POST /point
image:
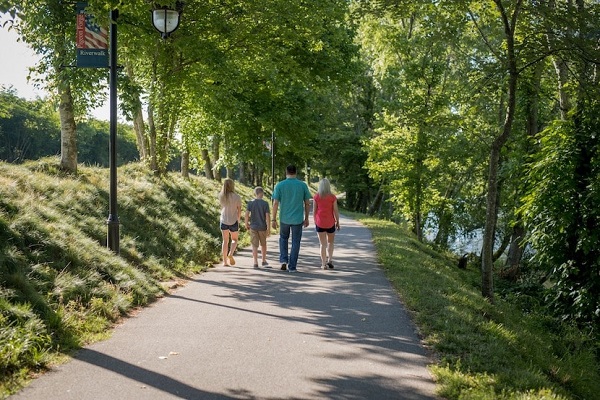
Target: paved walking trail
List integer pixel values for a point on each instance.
(240, 333)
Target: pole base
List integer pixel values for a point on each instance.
(112, 241)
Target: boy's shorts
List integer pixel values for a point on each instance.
(258, 237)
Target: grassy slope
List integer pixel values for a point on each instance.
(485, 351)
(60, 288)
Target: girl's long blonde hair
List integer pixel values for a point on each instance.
(228, 188)
(324, 188)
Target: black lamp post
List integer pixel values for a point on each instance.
(272, 160)
(165, 20)
(113, 219)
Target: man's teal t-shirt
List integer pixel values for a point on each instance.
(291, 194)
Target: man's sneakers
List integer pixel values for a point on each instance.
(284, 267)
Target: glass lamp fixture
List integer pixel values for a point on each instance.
(166, 19)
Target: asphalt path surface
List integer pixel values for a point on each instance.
(241, 333)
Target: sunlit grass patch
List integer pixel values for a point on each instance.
(485, 351)
(53, 255)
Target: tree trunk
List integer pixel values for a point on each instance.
(138, 121)
(185, 164)
(140, 131)
(152, 133)
(68, 129)
(420, 171)
(487, 251)
(500, 250)
(444, 226)
(260, 177)
(512, 267)
(376, 204)
(216, 156)
(417, 216)
(561, 67)
(208, 170)
(167, 135)
(242, 172)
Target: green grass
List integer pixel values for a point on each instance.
(483, 350)
(60, 287)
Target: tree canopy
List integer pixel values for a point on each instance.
(456, 117)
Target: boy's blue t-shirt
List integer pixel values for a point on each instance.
(291, 194)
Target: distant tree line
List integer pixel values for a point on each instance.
(30, 129)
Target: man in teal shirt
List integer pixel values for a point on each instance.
(292, 198)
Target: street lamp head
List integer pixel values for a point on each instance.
(166, 19)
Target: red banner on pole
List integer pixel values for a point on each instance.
(91, 41)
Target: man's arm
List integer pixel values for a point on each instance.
(274, 218)
(306, 212)
(267, 216)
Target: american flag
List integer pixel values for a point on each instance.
(96, 37)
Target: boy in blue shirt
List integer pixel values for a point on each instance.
(257, 222)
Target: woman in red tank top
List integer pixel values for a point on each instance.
(327, 221)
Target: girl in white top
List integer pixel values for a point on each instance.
(231, 212)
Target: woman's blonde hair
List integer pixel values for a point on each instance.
(324, 188)
(228, 188)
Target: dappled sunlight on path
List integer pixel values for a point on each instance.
(244, 333)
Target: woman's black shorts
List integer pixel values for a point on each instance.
(328, 230)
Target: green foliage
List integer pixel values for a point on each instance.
(485, 351)
(30, 130)
(23, 338)
(440, 70)
(562, 212)
(93, 143)
(60, 287)
(425, 148)
(48, 27)
(242, 70)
